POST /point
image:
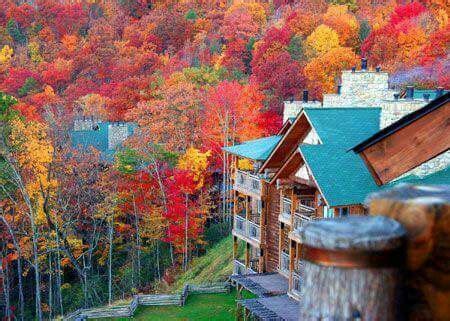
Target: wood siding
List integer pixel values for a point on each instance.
(409, 147)
(272, 228)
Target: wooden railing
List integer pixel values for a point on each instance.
(286, 210)
(127, 310)
(284, 262)
(296, 283)
(239, 268)
(246, 228)
(304, 214)
(248, 184)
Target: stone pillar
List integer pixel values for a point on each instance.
(292, 109)
(117, 133)
(352, 269)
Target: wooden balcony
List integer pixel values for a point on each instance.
(303, 215)
(239, 267)
(248, 184)
(247, 230)
(297, 282)
(286, 208)
(284, 263)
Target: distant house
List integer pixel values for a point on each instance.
(309, 171)
(106, 137)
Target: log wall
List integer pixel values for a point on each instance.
(272, 234)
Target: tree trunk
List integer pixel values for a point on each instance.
(137, 244)
(58, 276)
(6, 290)
(111, 227)
(352, 269)
(19, 266)
(50, 286)
(186, 226)
(425, 213)
(36, 265)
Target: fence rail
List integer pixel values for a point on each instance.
(127, 310)
(247, 228)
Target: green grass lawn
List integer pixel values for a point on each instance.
(216, 265)
(201, 307)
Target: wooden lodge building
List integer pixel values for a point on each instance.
(327, 158)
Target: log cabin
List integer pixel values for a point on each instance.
(308, 171)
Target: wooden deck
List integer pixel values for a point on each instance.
(264, 284)
(275, 308)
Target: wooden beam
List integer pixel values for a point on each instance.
(410, 146)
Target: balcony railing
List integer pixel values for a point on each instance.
(284, 262)
(286, 209)
(253, 266)
(240, 269)
(307, 202)
(247, 228)
(247, 183)
(301, 220)
(297, 282)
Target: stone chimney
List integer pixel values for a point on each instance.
(293, 108)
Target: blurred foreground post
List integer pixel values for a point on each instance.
(424, 211)
(352, 269)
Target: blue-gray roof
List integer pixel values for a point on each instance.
(257, 149)
(98, 138)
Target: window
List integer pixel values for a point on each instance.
(328, 212)
(343, 211)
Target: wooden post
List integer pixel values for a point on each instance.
(424, 211)
(352, 269)
(247, 255)
(292, 249)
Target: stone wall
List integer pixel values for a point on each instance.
(80, 124)
(117, 133)
(361, 88)
(392, 110)
(434, 165)
(292, 109)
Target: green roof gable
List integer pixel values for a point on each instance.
(97, 139)
(257, 149)
(342, 176)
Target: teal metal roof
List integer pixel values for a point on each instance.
(257, 149)
(342, 176)
(418, 93)
(97, 139)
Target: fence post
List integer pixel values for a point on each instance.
(352, 269)
(424, 211)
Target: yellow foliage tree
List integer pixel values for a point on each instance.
(255, 9)
(344, 23)
(33, 51)
(410, 44)
(195, 162)
(5, 54)
(320, 41)
(245, 164)
(323, 70)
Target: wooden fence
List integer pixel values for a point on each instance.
(127, 310)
